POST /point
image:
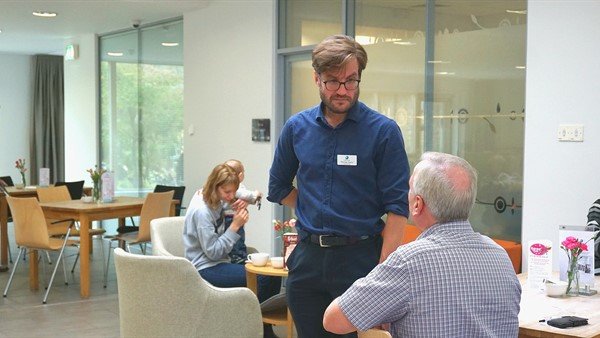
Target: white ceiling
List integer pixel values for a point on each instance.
(22, 33)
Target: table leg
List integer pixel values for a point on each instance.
(290, 324)
(34, 281)
(251, 282)
(3, 233)
(84, 254)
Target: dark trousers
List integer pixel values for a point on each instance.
(318, 275)
(227, 275)
(238, 253)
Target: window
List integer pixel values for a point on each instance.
(141, 106)
(451, 74)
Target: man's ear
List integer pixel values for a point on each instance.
(316, 78)
(418, 205)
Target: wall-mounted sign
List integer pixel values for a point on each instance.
(261, 130)
(71, 52)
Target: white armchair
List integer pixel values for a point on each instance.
(167, 236)
(164, 296)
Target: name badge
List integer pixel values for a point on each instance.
(347, 160)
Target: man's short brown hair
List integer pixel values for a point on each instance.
(335, 51)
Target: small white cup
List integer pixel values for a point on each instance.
(87, 199)
(259, 258)
(277, 262)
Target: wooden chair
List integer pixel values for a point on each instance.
(31, 233)
(164, 296)
(374, 333)
(56, 228)
(75, 188)
(156, 205)
(178, 192)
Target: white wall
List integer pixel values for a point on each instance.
(16, 92)
(561, 180)
(228, 61)
(81, 102)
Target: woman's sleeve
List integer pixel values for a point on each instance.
(215, 246)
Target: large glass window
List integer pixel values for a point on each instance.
(141, 113)
(451, 74)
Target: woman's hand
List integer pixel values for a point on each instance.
(240, 217)
(239, 204)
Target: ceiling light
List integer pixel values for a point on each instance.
(114, 53)
(170, 44)
(520, 67)
(438, 61)
(444, 73)
(524, 12)
(44, 14)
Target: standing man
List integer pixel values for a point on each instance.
(450, 282)
(351, 169)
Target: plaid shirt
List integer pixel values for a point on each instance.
(450, 282)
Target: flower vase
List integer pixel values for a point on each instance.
(573, 277)
(23, 179)
(96, 191)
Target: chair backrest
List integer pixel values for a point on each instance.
(75, 188)
(8, 180)
(164, 296)
(53, 194)
(167, 236)
(29, 221)
(374, 333)
(411, 233)
(156, 205)
(177, 195)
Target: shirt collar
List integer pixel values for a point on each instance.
(354, 113)
(452, 226)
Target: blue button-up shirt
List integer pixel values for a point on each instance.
(347, 176)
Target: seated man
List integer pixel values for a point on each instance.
(450, 282)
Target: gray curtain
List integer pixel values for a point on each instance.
(47, 139)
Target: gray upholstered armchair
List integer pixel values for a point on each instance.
(164, 296)
(167, 236)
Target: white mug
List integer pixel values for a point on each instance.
(277, 262)
(259, 258)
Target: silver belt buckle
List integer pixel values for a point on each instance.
(321, 241)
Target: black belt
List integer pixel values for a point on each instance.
(326, 241)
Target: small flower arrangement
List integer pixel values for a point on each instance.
(20, 165)
(96, 173)
(285, 226)
(573, 248)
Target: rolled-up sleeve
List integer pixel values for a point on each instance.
(393, 170)
(284, 167)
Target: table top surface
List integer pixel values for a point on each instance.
(266, 270)
(118, 202)
(536, 306)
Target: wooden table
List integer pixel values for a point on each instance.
(535, 306)
(14, 192)
(282, 317)
(85, 213)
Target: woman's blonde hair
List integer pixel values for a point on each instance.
(221, 175)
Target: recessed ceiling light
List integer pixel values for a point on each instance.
(438, 61)
(44, 14)
(444, 73)
(114, 53)
(170, 44)
(520, 67)
(523, 12)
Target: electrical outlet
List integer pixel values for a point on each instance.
(570, 132)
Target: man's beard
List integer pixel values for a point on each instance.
(331, 108)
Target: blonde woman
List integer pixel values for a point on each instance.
(208, 243)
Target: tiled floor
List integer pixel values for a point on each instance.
(22, 313)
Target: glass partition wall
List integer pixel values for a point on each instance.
(141, 106)
(450, 73)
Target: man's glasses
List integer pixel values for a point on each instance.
(335, 84)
